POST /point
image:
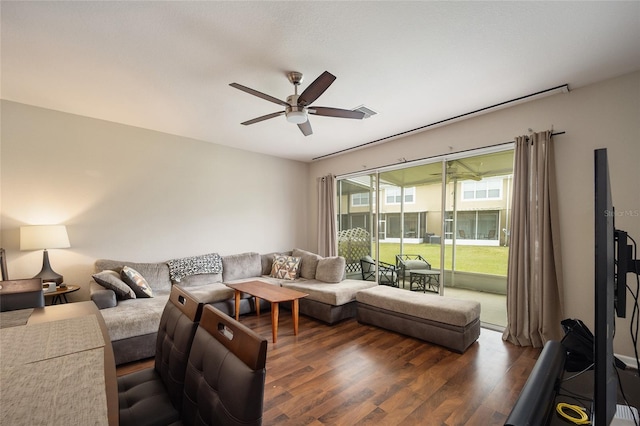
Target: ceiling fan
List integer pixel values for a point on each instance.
(454, 172)
(297, 107)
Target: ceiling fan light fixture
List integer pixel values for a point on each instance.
(297, 117)
(298, 107)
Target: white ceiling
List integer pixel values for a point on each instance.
(167, 65)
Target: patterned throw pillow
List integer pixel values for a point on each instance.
(285, 267)
(206, 264)
(111, 280)
(136, 281)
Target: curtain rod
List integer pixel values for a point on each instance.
(359, 172)
(563, 87)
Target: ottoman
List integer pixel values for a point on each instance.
(445, 321)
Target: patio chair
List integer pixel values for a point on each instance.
(462, 234)
(387, 274)
(405, 263)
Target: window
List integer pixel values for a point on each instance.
(360, 200)
(490, 189)
(393, 195)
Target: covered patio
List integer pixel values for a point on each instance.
(466, 200)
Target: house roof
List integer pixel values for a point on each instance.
(167, 66)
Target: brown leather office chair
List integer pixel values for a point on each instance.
(224, 384)
(21, 294)
(154, 396)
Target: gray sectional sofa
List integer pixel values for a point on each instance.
(133, 323)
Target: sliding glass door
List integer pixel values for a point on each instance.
(411, 206)
(478, 205)
(451, 212)
(357, 231)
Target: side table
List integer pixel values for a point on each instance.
(60, 295)
(425, 280)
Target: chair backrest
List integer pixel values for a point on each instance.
(462, 233)
(411, 261)
(21, 294)
(368, 268)
(226, 373)
(178, 325)
(4, 274)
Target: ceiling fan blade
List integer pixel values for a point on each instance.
(336, 112)
(264, 117)
(259, 94)
(315, 89)
(305, 128)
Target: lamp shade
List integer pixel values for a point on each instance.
(40, 237)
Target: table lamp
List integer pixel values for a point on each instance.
(43, 237)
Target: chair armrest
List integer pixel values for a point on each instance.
(102, 297)
(385, 265)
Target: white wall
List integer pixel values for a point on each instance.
(603, 115)
(133, 194)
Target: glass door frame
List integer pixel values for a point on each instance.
(374, 175)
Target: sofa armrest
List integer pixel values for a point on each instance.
(102, 297)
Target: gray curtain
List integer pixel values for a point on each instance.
(534, 282)
(327, 227)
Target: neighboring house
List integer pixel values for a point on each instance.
(482, 208)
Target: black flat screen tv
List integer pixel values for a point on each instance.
(610, 291)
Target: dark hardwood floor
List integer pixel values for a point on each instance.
(353, 374)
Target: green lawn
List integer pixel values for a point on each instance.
(481, 259)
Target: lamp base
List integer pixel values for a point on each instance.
(47, 274)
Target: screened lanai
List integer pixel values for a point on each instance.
(452, 211)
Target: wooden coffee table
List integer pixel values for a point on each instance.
(271, 293)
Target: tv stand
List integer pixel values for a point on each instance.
(537, 397)
(548, 384)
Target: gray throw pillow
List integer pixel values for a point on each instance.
(111, 280)
(308, 263)
(331, 269)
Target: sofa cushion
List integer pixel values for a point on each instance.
(200, 279)
(331, 294)
(135, 317)
(242, 265)
(156, 274)
(211, 293)
(136, 281)
(415, 264)
(308, 263)
(446, 310)
(285, 267)
(267, 262)
(331, 269)
(111, 280)
(186, 266)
